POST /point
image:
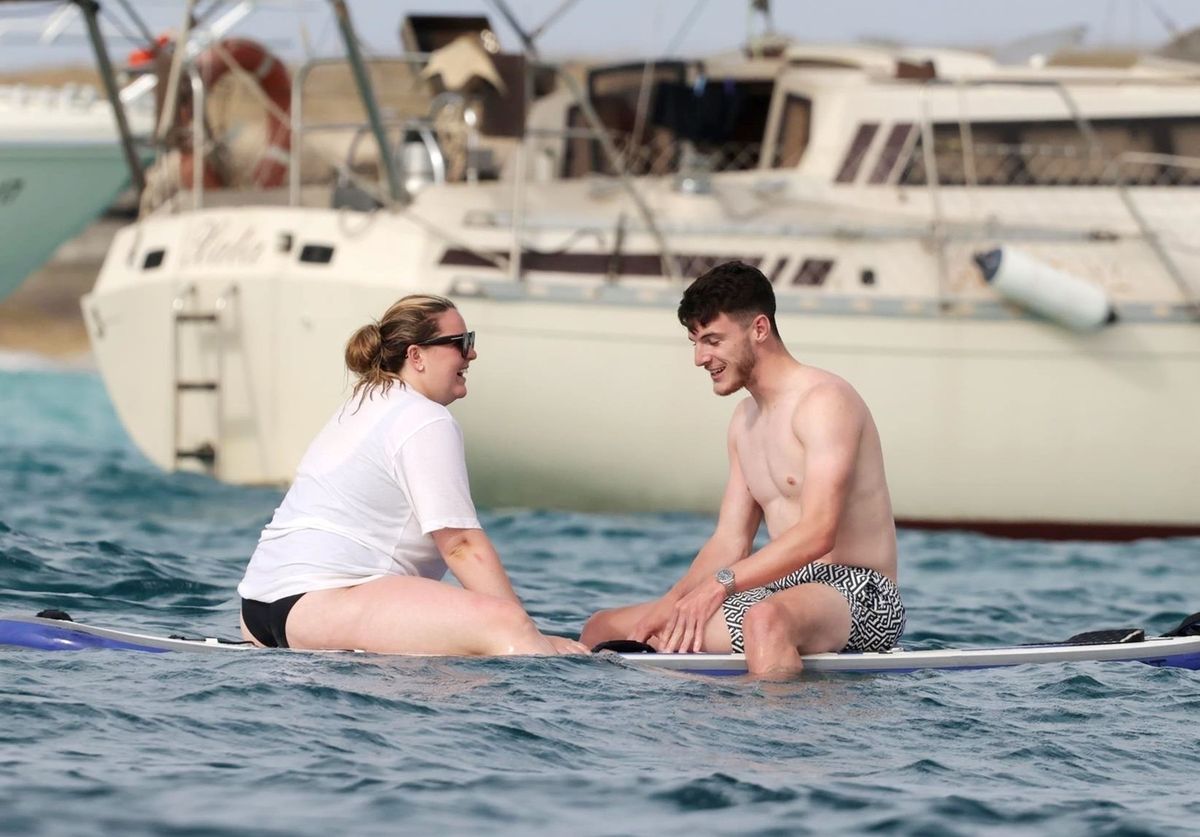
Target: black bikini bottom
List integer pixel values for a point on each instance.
(268, 621)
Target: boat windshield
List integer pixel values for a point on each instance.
(668, 116)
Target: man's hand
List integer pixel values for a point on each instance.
(690, 616)
(655, 621)
(564, 645)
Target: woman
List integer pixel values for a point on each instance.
(381, 507)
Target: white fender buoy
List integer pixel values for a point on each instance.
(1045, 290)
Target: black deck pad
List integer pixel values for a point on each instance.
(1109, 636)
(1190, 626)
(625, 646)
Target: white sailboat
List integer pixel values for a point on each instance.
(61, 166)
(1052, 391)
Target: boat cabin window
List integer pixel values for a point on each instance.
(898, 139)
(1057, 153)
(792, 137)
(653, 115)
(623, 97)
(723, 120)
(854, 154)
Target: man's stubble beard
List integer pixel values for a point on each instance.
(744, 370)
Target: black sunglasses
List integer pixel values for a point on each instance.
(465, 341)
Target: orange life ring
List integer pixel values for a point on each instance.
(148, 54)
(274, 80)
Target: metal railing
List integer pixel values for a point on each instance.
(663, 154)
(939, 158)
(200, 143)
(343, 169)
(1087, 163)
(622, 159)
(1042, 164)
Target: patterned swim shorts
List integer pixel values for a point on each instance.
(876, 611)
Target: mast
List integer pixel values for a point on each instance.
(367, 93)
(90, 8)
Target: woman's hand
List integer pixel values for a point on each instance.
(690, 617)
(564, 645)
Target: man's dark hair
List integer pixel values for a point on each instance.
(732, 288)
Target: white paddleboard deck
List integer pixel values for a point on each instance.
(39, 633)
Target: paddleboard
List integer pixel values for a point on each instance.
(33, 632)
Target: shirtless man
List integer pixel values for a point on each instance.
(804, 454)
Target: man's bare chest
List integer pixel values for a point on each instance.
(772, 459)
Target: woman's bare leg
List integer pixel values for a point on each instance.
(412, 615)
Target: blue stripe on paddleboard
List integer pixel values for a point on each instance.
(54, 638)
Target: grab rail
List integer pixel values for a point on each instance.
(198, 140)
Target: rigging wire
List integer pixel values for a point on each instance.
(685, 27)
(119, 24)
(137, 21)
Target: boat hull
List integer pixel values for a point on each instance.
(48, 194)
(585, 396)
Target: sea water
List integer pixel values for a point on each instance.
(297, 744)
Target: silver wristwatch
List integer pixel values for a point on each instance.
(725, 578)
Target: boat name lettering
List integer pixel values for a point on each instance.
(217, 244)
(10, 189)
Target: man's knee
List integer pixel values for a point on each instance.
(765, 622)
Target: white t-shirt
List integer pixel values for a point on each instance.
(371, 487)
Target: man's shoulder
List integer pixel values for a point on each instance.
(827, 394)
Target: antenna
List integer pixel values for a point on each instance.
(527, 41)
(553, 16)
(763, 9)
